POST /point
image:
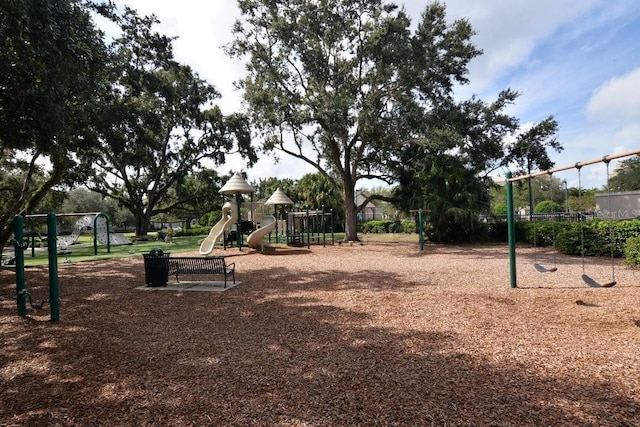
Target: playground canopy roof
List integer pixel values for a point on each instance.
(279, 197)
(236, 184)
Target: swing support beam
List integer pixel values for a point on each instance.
(607, 158)
(510, 209)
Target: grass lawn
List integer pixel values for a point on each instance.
(84, 251)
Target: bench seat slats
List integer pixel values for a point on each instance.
(201, 265)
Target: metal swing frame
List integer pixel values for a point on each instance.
(588, 280)
(510, 179)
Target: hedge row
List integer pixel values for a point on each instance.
(387, 226)
(595, 237)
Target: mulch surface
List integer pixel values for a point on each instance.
(379, 334)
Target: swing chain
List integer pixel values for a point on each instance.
(24, 293)
(23, 245)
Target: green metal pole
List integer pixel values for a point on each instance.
(32, 229)
(95, 232)
(332, 233)
(239, 236)
(324, 231)
(95, 235)
(18, 236)
(420, 230)
(308, 231)
(512, 234)
(54, 285)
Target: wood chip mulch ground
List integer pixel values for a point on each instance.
(380, 334)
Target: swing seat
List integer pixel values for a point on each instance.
(543, 269)
(593, 284)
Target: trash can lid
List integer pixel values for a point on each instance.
(156, 252)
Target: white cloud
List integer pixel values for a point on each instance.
(202, 29)
(509, 30)
(617, 99)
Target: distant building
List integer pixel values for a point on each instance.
(370, 211)
(622, 205)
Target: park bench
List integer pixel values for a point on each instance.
(201, 265)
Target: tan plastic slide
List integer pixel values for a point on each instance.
(229, 217)
(255, 239)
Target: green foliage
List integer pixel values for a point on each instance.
(499, 209)
(547, 206)
(632, 251)
(627, 176)
(408, 226)
(378, 226)
(266, 187)
(530, 150)
(348, 81)
(451, 194)
(210, 218)
(194, 194)
(316, 190)
(197, 230)
(158, 126)
(544, 233)
(53, 64)
(600, 237)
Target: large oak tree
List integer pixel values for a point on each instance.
(159, 126)
(52, 77)
(343, 84)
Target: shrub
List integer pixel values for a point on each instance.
(632, 251)
(409, 226)
(499, 231)
(196, 230)
(377, 226)
(547, 206)
(210, 218)
(499, 209)
(599, 237)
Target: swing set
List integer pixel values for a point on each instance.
(589, 281)
(537, 265)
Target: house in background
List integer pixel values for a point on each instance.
(370, 211)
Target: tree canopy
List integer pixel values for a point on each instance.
(626, 176)
(342, 85)
(160, 125)
(52, 73)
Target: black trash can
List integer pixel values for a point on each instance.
(156, 267)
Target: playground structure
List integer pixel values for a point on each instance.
(256, 240)
(102, 234)
(511, 220)
(220, 229)
(236, 186)
(261, 225)
(22, 293)
(97, 222)
(310, 226)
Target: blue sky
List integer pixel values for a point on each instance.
(578, 60)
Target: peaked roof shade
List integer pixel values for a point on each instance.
(278, 197)
(236, 184)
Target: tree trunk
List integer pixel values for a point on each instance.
(142, 224)
(351, 215)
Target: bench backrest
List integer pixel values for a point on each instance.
(193, 264)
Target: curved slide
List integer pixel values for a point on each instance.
(86, 221)
(267, 225)
(80, 225)
(229, 216)
(114, 238)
